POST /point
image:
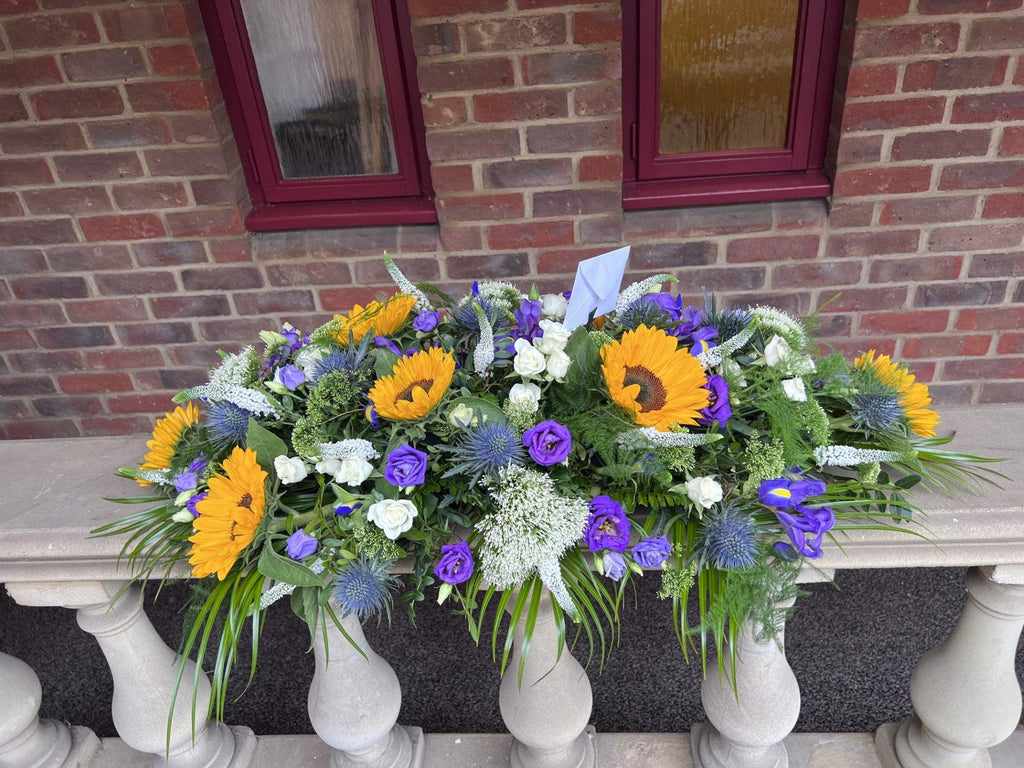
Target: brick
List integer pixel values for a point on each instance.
(673, 255)
(966, 293)
(173, 59)
(571, 67)
(452, 178)
(1011, 344)
(98, 166)
(148, 403)
(906, 40)
(946, 346)
(144, 334)
(59, 30)
(877, 80)
(186, 161)
(481, 208)
(231, 250)
(27, 71)
(529, 5)
(755, 249)
(444, 111)
(1005, 206)
(128, 132)
(984, 370)
(562, 262)
(136, 282)
(996, 175)
(105, 64)
(879, 115)
(238, 329)
(597, 99)
(856, 150)
(882, 9)
(12, 7)
(528, 173)
(435, 39)
(997, 265)
(16, 339)
(221, 278)
(68, 406)
(990, 319)
(89, 258)
(77, 102)
(189, 306)
(918, 321)
(817, 273)
(521, 105)
(465, 75)
(876, 243)
(318, 273)
(989, 107)
(505, 237)
(42, 430)
(43, 202)
(263, 302)
(882, 181)
(73, 337)
(41, 138)
(595, 27)
(573, 137)
(461, 239)
(941, 144)
(472, 145)
(600, 168)
(14, 262)
(37, 232)
(432, 8)
(94, 383)
(215, 192)
(106, 310)
(489, 266)
(979, 237)
(31, 288)
(145, 22)
(10, 205)
(168, 96)
(851, 299)
(372, 271)
(167, 254)
(195, 128)
(575, 202)
(1001, 392)
(124, 359)
(30, 315)
(129, 227)
(1012, 142)
(209, 222)
(957, 74)
(514, 33)
(111, 427)
(171, 379)
(927, 210)
(149, 195)
(915, 269)
(343, 299)
(965, 6)
(12, 386)
(996, 34)
(601, 229)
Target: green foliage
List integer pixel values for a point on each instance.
(335, 394)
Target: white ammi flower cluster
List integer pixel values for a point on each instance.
(233, 369)
(848, 456)
(635, 292)
(247, 399)
(782, 323)
(345, 449)
(646, 437)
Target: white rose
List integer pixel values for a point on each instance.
(525, 396)
(553, 305)
(777, 351)
(554, 339)
(391, 516)
(704, 491)
(794, 389)
(462, 416)
(352, 470)
(558, 364)
(732, 371)
(290, 470)
(529, 360)
(307, 358)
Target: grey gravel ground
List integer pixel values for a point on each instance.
(852, 645)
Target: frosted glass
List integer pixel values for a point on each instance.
(726, 72)
(321, 78)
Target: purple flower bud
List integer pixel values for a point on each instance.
(300, 545)
(653, 552)
(291, 377)
(343, 510)
(383, 343)
(406, 467)
(190, 505)
(608, 526)
(718, 403)
(614, 566)
(425, 322)
(185, 481)
(548, 443)
(456, 564)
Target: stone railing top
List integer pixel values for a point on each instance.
(57, 488)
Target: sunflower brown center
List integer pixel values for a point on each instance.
(406, 394)
(246, 501)
(652, 396)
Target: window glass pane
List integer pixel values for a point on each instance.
(726, 71)
(321, 78)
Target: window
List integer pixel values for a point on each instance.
(324, 109)
(726, 101)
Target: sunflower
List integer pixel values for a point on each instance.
(166, 434)
(416, 384)
(913, 395)
(229, 515)
(383, 319)
(658, 382)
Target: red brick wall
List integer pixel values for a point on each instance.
(125, 264)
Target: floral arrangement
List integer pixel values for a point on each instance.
(490, 448)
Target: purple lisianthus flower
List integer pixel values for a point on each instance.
(614, 565)
(300, 544)
(426, 321)
(783, 493)
(406, 467)
(291, 377)
(190, 505)
(291, 336)
(671, 305)
(382, 343)
(652, 552)
(456, 564)
(805, 527)
(527, 319)
(718, 401)
(344, 510)
(188, 479)
(607, 527)
(548, 443)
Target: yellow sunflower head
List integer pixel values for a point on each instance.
(383, 319)
(416, 385)
(659, 383)
(913, 395)
(229, 515)
(166, 434)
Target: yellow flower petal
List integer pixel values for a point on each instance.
(383, 319)
(166, 434)
(416, 385)
(914, 396)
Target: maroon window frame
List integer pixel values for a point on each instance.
(279, 203)
(652, 180)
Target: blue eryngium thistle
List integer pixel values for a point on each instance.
(364, 588)
(349, 360)
(227, 425)
(730, 540)
(876, 412)
(644, 313)
(486, 448)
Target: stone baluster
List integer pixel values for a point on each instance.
(965, 691)
(548, 714)
(25, 740)
(145, 672)
(354, 702)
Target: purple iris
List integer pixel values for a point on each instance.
(672, 305)
(805, 527)
(425, 322)
(371, 415)
(607, 527)
(300, 544)
(527, 319)
(782, 493)
(291, 377)
(456, 564)
(191, 504)
(652, 552)
(406, 467)
(548, 443)
(344, 510)
(718, 401)
(614, 566)
(381, 342)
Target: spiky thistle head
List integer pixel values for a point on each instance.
(730, 539)
(351, 360)
(227, 425)
(486, 448)
(364, 587)
(644, 313)
(876, 412)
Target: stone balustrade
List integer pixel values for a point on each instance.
(965, 693)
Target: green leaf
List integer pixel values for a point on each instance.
(486, 408)
(267, 445)
(278, 568)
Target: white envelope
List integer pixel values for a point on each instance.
(596, 287)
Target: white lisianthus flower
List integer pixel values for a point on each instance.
(529, 360)
(553, 305)
(558, 364)
(351, 470)
(795, 390)
(554, 339)
(705, 491)
(777, 351)
(183, 516)
(525, 397)
(290, 470)
(462, 416)
(307, 358)
(392, 516)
